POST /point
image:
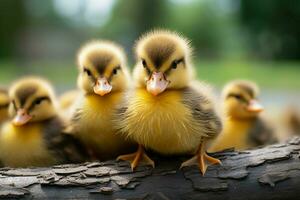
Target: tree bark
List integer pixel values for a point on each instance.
(272, 172)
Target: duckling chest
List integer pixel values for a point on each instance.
(97, 121)
(162, 123)
(24, 146)
(235, 134)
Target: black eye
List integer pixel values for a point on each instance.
(87, 71)
(38, 101)
(239, 97)
(115, 70)
(144, 63)
(174, 64)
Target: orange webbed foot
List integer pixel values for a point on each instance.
(201, 159)
(137, 157)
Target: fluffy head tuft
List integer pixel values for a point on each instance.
(249, 87)
(35, 96)
(98, 59)
(237, 96)
(167, 52)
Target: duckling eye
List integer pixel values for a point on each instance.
(239, 97)
(174, 64)
(115, 70)
(144, 63)
(87, 71)
(39, 100)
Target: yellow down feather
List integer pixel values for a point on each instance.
(28, 140)
(162, 121)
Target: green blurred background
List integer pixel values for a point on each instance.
(252, 39)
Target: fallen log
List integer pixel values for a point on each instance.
(271, 172)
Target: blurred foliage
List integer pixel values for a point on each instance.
(273, 26)
(268, 75)
(198, 21)
(132, 18)
(13, 19)
(219, 29)
(232, 38)
(207, 26)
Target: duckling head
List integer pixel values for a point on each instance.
(240, 100)
(4, 102)
(163, 62)
(32, 100)
(102, 68)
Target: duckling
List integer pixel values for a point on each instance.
(168, 111)
(67, 99)
(34, 136)
(103, 79)
(244, 128)
(4, 102)
(291, 121)
(67, 102)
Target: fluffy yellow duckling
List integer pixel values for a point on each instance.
(34, 135)
(67, 99)
(4, 102)
(243, 126)
(168, 112)
(103, 79)
(291, 121)
(67, 102)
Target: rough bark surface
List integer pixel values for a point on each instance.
(272, 172)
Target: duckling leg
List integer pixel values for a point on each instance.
(137, 157)
(200, 159)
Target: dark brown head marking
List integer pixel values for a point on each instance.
(248, 89)
(23, 93)
(100, 60)
(159, 50)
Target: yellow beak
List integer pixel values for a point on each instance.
(157, 83)
(255, 106)
(21, 118)
(102, 87)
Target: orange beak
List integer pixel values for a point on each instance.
(21, 118)
(102, 87)
(157, 83)
(255, 106)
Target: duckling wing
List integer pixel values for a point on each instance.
(64, 146)
(261, 134)
(202, 108)
(71, 124)
(73, 150)
(75, 115)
